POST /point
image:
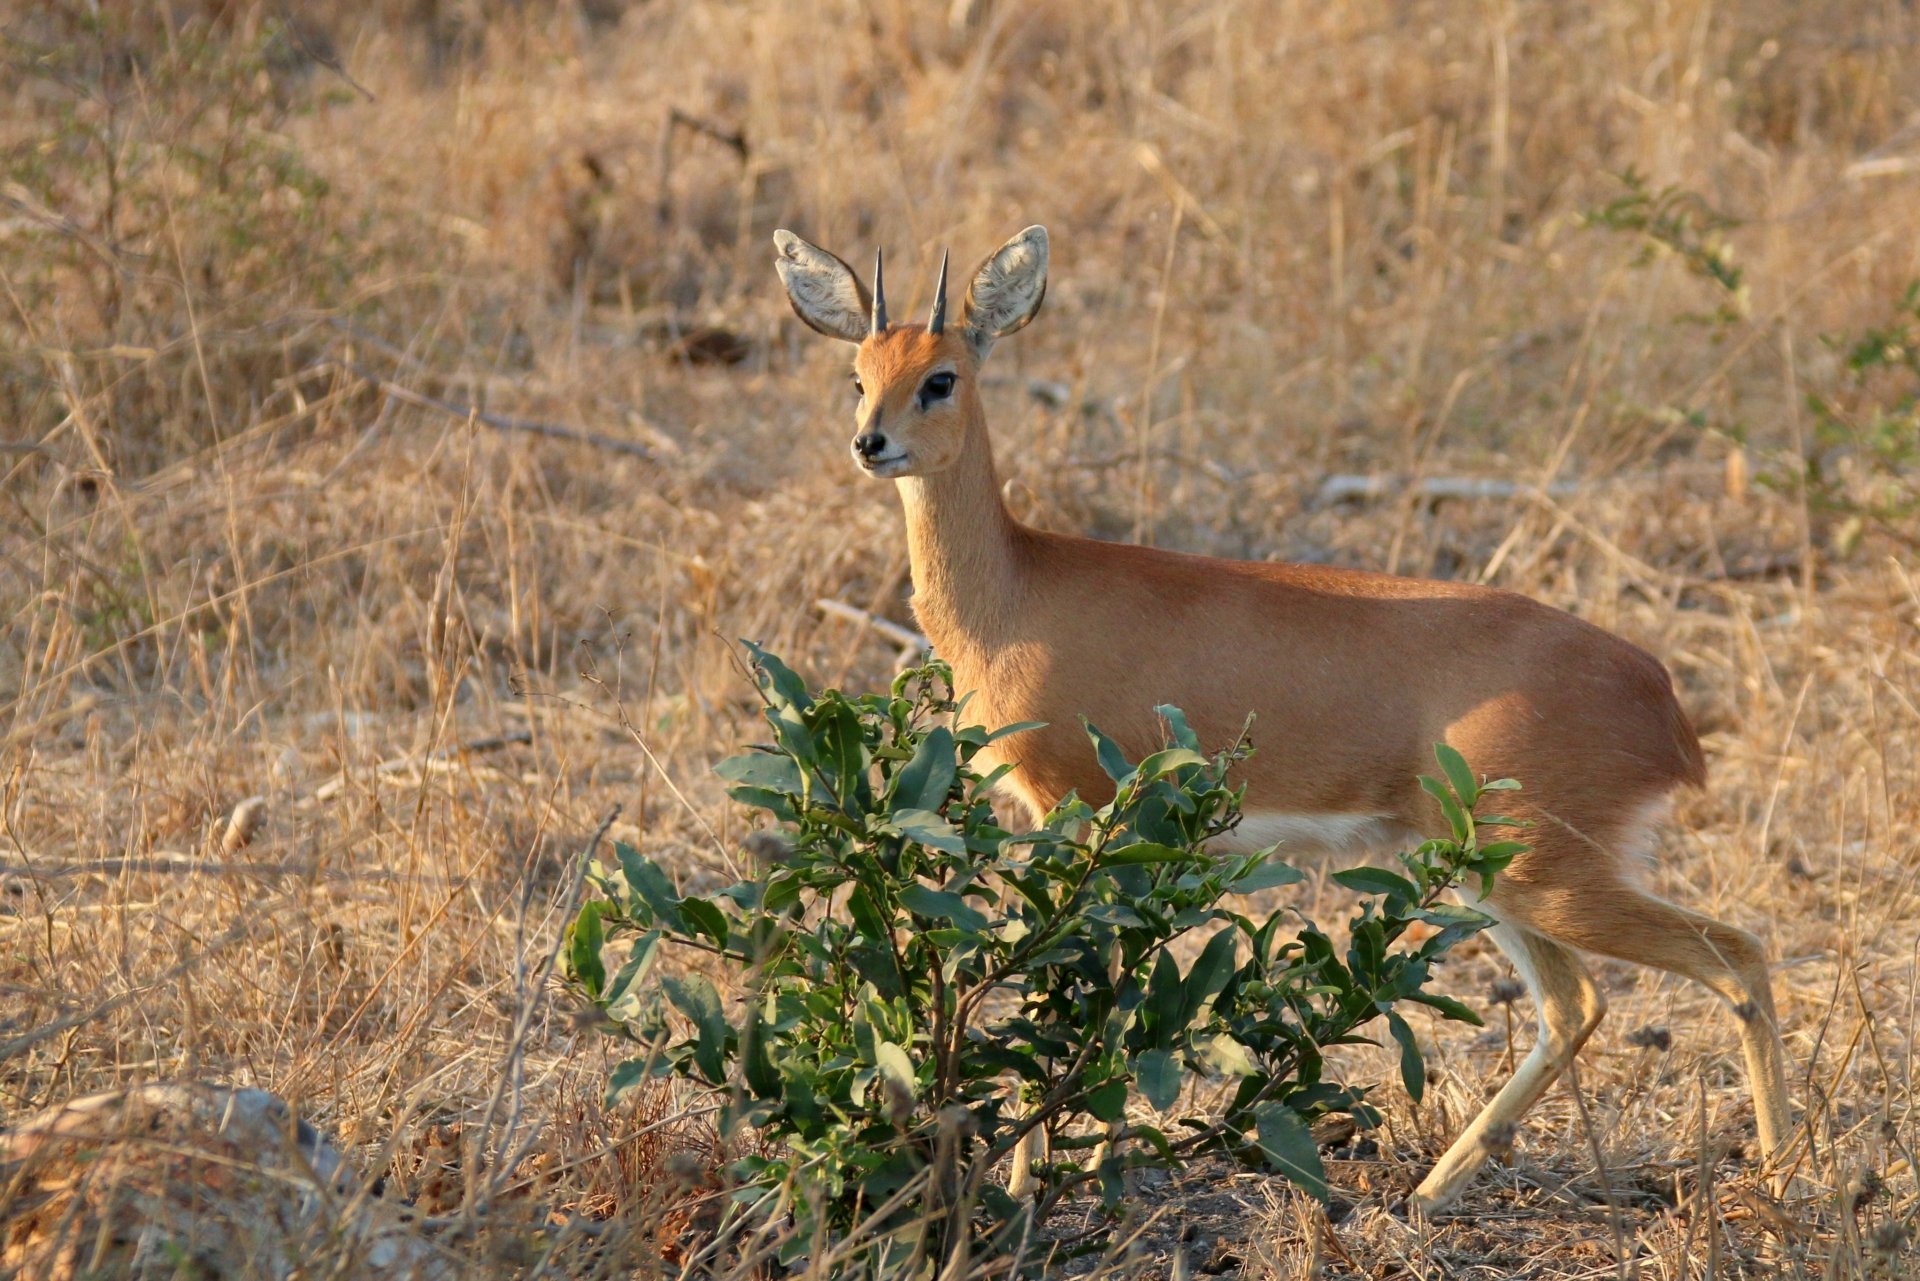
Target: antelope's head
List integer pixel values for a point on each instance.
(918, 385)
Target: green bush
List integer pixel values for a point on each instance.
(921, 988)
(1861, 469)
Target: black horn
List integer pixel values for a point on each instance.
(938, 320)
(879, 294)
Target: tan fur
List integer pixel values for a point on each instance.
(1351, 677)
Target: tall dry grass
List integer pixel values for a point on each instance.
(259, 263)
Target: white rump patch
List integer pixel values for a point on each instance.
(1315, 833)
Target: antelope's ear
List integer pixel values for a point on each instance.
(823, 290)
(1007, 290)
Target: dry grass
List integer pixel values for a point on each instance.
(1290, 241)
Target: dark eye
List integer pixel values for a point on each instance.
(858, 390)
(938, 387)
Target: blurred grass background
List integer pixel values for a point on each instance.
(383, 376)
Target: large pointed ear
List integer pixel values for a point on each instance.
(1007, 290)
(823, 290)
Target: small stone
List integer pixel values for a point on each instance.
(243, 824)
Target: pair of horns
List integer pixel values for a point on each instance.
(935, 322)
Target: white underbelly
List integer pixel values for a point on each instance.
(1298, 834)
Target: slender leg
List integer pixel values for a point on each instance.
(1570, 1006)
(1729, 961)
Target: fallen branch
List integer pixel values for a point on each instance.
(440, 759)
(177, 865)
(733, 139)
(499, 422)
(1347, 488)
(910, 644)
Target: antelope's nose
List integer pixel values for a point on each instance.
(870, 444)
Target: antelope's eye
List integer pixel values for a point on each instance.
(938, 387)
(858, 390)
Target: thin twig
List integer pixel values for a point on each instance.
(530, 990)
(1628, 1264)
(180, 865)
(442, 757)
(1352, 488)
(499, 422)
(911, 645)
(321, 57)
(28, 1040)
(732, 139)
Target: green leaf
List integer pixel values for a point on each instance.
(1161, 1009)
(1413, 1070)
(762, 1079)
(1176, 720)
(1465, 785)
(777, 680)
(842, 747)
(1160, 1076)
(895, 1066)
(650, 884)
(1454, 923)
(627, 1077)
(1146, 852)
(1376, 880)
(1266, 875)
(930, 830)
(1155, 1139)
(696, 998)
(782, 892)
(1457, 818)
(1227, 1056)
(623, 994)
(767, 771)
(1209, 973)
(925, 781)
(986, 785)
(1112, 759)
(947, 906)
(1169, 759)
(1455, 1010)
(867, 916)
(997, 1057)
(583, 949)
(777, 804)
(1018, 727)
(1288, 1146)
(1108, 1100)
(705, 919)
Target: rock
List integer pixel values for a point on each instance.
(180, 1179)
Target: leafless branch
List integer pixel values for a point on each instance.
(441, 758)
(499, 422)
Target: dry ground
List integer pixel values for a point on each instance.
(244, 552)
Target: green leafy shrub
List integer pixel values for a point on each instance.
(921, 988)
(1861, 469)
(1674, 220)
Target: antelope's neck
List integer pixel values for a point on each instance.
(966, 549)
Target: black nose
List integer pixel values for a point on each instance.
(869, 445)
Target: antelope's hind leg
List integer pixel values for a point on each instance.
(1570, 1006)
(1723, 958)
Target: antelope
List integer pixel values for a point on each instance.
(1351, 677)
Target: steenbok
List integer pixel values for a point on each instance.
(1352, 677)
